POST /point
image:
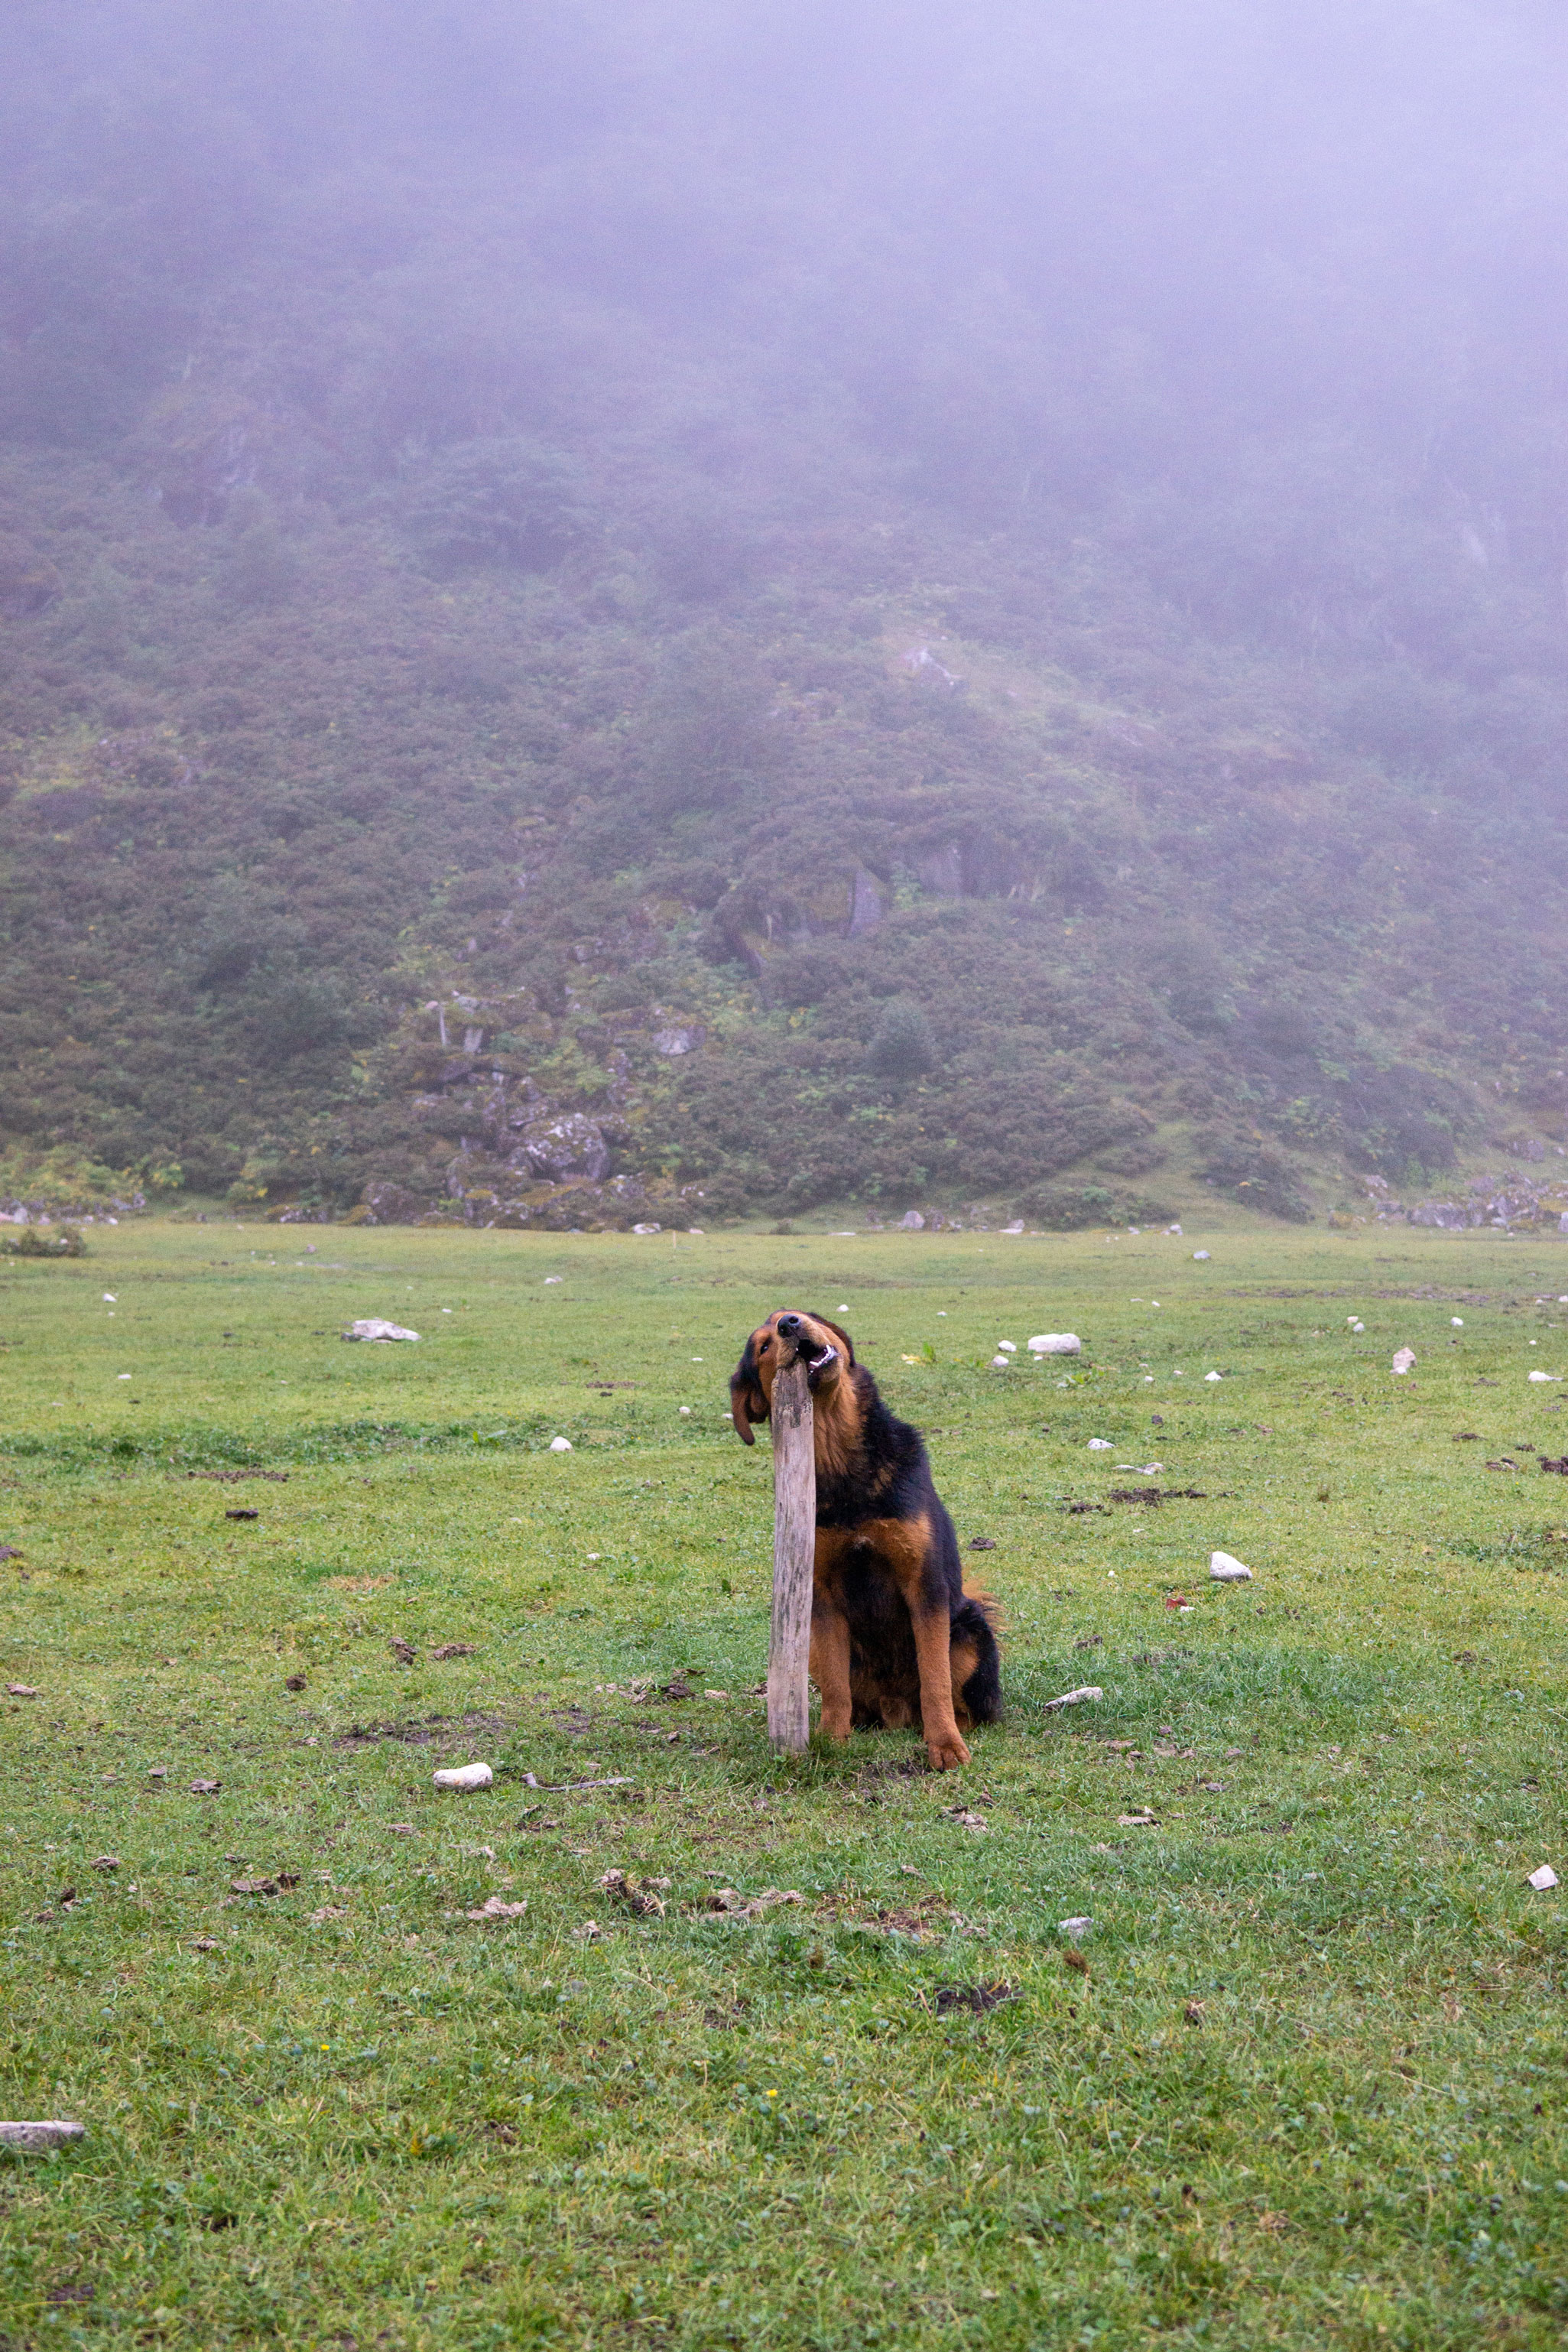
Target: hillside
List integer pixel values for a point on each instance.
(560, 669)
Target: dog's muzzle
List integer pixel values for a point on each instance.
(793, 1327)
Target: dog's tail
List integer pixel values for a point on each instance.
(974, 1633)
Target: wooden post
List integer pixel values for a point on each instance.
(794, 1555)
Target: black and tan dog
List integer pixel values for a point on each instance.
(895, 1639)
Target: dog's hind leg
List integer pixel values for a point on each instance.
(829, 1666)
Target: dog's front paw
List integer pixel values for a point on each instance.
(946, 1751)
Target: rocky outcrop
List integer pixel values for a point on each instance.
(569, 1145)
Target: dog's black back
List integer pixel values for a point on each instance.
(887, 1476)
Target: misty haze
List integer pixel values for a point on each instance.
(935, 608)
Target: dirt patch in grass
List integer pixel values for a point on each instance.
(975, 1999)
(429, 1731)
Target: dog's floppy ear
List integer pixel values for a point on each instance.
(746, 1401)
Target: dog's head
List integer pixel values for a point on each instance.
(829, 1354)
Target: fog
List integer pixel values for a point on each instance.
(1210, 355)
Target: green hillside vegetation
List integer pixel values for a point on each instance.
(564, 665)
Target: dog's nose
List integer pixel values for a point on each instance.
(789, 1326)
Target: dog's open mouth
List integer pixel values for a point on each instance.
(818, 1364)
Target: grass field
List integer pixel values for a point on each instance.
(1310, 2091)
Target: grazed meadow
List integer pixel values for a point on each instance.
(1311, 2087)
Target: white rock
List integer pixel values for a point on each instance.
(1000, 1364)
(1225, 1570)
(37, 2139)
(1404, 1361)
(685, 1411)
(647, 1229)
(1458, 1321)
(1199, 1256)
(1212, 1376)
(371, 1327)
(1099, 1445)
(1016, 1227)
(912, 1222)
(1174, 1229)
(1546, 1376)
(1543, 1879)
(560, 1445)
(1077, 1927)
(1056, 1343)
(464, 1776)
(1075, 1697)
(1007, 1347)
(553, 1277)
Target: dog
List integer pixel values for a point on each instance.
(895, 1639)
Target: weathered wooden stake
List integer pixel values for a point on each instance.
(794, 1552)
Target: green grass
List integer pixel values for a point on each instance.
(1313, 2089)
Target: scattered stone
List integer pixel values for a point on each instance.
(37, 2139)
(1099, 1446)
(403, 1829)
(21, 1690)
(1056, 1343)
(1225, 1570)
(1199, 1256)
(966, 1819)
(1546, 1376)
(404, 1651)
(452, 1650)
(493, 1907)
(327, 1911)
(1000, 1364)
(1213, 1376)
(647, 1229)
(464, 1776)
(373, 1327)
(1543, 1880)
(206, 1788)
(560, 1445)
(1083, 1696)
(1016, 1226)
(1078, 1926)
(982, 1543)
(241, 1512)
(1404, 1361)
(105, 1862)
(912, 1222)
(1142, 1820)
